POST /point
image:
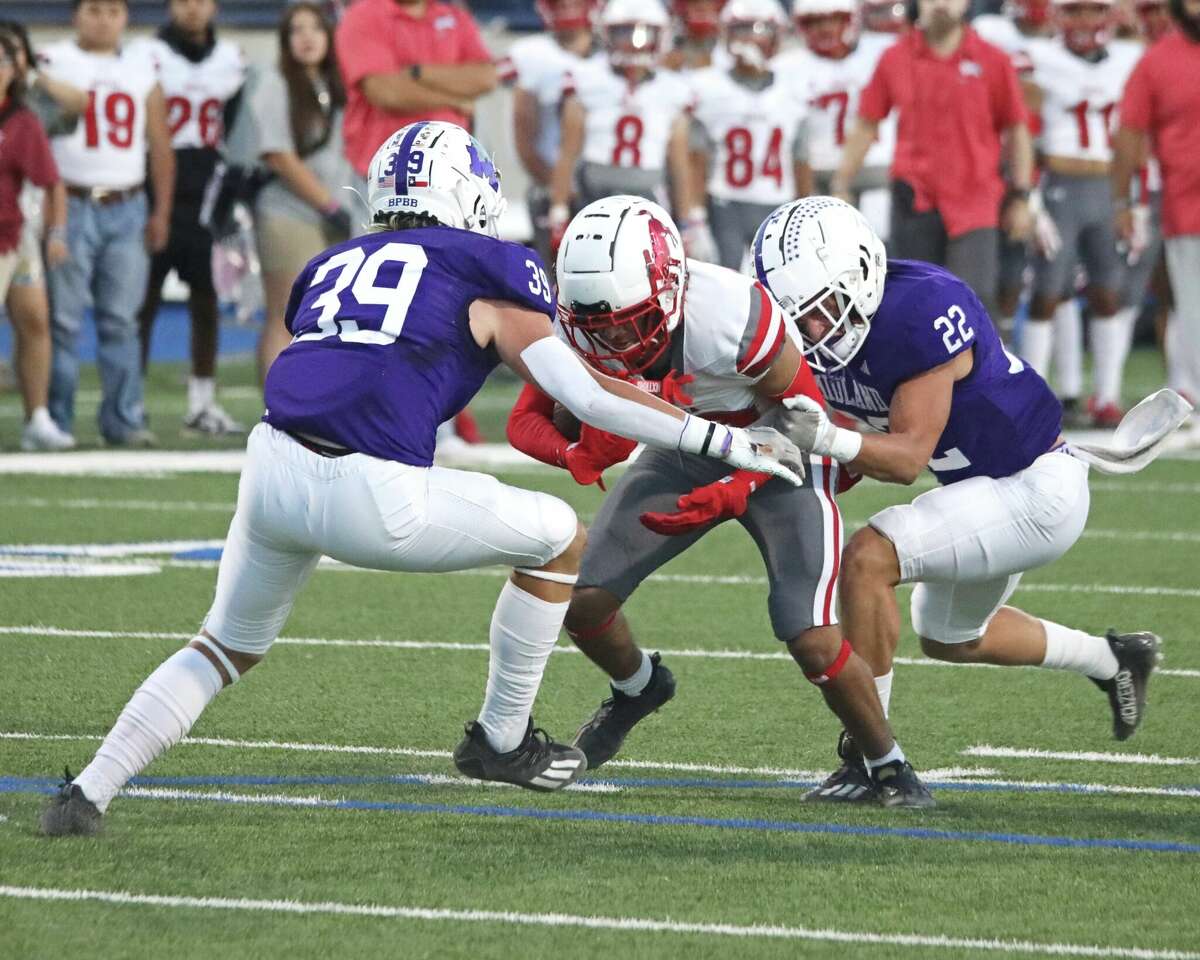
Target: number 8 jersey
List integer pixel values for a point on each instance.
(382, 351)
(107, 148)
(1003, 416)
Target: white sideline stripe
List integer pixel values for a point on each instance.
(11, 567)
(42, 631)
(92, 503)
(1146, 759)
(785, 775)
(559, 920)
(147, 548)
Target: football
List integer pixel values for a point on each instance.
(566, 423)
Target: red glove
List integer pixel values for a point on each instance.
(669, 388)
(846, 479)
(595, 452)
(726, 498)
(531, 428)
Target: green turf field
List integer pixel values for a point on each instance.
(321, 785)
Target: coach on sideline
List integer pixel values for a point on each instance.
(408, 60)
(958, 97)
(1160, 110)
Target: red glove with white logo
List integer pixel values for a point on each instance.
(726, 498)
(669, 388)
(595, 452)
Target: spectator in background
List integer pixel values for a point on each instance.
(957, 97)
(301, 211)
(408, 60)
(199, 75)
(25, 157)
(1160, 113)
(109, 233)
(27, 305)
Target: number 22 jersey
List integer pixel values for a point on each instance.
(1003, 416)
(382, 351)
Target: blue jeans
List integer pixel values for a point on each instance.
(108, 267)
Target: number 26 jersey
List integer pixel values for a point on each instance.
(1003, 416)
(382, 350)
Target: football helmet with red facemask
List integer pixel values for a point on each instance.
(621, 280)
(1030, 16)
(700, 19)
(566, 16)
(752, 30)
(830, 27)
(1086, 26)
(884, 16)
(634, 33)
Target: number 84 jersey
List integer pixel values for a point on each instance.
(382, 351)
(1003, 416)
(752, 136)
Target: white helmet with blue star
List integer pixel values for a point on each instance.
(438, 169)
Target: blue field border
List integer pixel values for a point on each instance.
(26, 785)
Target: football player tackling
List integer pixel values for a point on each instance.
(907, 349)
(393, 333)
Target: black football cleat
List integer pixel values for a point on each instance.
(601, 737)
(537, 762)
(69, 812)
(849, 783)
(1137, 655)
(897, 785)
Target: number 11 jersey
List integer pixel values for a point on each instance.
(382, 351)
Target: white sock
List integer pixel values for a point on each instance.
(1068, 649)
(202, 391)
(884, 686)
(523, 632)
(632, 686)
(1110, 345)
(894, 754)
(40, 417)
(1036, 337)
(157, 716)
(1068, 348)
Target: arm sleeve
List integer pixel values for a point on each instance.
(1136, 103)
(875, 100)
(531, 428)
(471, 48)
(360, 51)
(270, 107)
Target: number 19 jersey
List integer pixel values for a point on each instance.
(382, 350)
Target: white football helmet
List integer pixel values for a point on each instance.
(828, 39)
(823, 262)
(621, 279)
(1085, 25)
(752, 29)
(634, 32)
(439, 169)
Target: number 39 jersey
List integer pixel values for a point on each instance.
(627, 126)
(752, 135)
(1080, 97)
(382, 351)
(1003, 416)
(108, 145)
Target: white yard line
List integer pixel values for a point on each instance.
(1145, 759)
(93, 503)
(919, 941)
(35, 630)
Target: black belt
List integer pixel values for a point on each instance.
(320, 447)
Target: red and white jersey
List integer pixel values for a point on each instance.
(108, 146)
(539, 65)
(627, 126)
(732, 331)
(1000, 31)
(832, 88)
(197, 92)
(753, 135)
(1080, 98)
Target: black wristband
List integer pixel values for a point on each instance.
(712, 428)
(1016, 193)
(415, 72)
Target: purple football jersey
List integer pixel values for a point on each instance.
(1003, 416)
(382, 352)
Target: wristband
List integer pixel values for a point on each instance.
(845, 444)
(705, 438)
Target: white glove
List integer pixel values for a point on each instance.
(810, 428)
(749, 53)
(1046, 238)
(1141, 233)
(698, 241)
(765, 450)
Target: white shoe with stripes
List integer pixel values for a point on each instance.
(537, 763)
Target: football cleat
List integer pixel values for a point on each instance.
(1137, 655)
(69, 812)
(897, 785)
(212, 421)
(601, 737)
(849, 783)
(1105, 416)
(537, 762)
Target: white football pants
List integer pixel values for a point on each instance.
(295, 506)
(966, 544)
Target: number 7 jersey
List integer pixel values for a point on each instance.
(1003, 416)
(382, 351)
